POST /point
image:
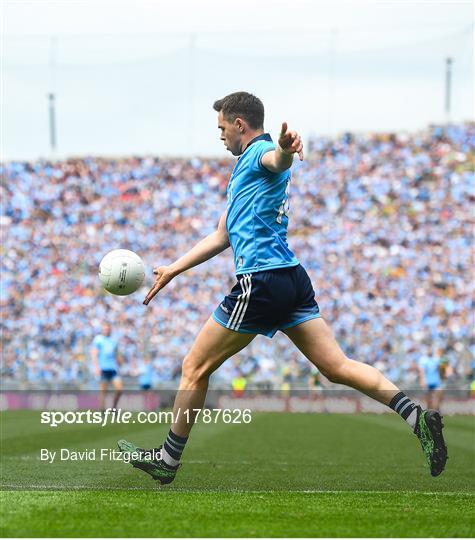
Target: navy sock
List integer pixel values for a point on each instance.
(406, 408)
(173, 448)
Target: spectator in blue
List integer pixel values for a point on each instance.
(105, 357)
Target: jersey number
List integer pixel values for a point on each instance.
(285, 205)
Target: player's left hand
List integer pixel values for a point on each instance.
(164, 274)
(290, 141)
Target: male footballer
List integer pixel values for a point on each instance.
(105, 353)
(273, 291)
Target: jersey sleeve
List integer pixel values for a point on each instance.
(261, 149)
(96, 342)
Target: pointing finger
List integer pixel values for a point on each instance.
(151, 293)
(283, 129)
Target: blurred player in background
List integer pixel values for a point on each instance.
(433, 371)
(105, 358)
(273, 291)
(238, 384)
(314, 382)
(145, 374)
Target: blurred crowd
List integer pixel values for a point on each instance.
(382, 223)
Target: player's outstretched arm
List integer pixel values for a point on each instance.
(207, 248)
(281, 158)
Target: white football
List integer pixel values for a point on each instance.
(121, 272)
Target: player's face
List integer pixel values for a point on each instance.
(230, 135)
(106, 330)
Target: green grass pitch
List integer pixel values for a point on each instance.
(295, 475)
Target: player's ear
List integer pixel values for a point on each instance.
(240, 125)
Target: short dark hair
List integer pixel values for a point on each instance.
(244, 105)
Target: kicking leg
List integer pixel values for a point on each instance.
(213, 345)
(315, 339)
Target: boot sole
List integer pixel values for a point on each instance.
(434, 421)
(145, 468)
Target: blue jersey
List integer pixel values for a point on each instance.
(258, 203)
(106, 352)
(430, 366)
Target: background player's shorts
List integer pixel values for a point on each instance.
(108, 374)
(267, 301)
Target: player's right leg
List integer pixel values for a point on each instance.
(213, 345)
(316, 341)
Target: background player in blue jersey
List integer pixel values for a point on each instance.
(105, 357)
(273, 291)
(432, 373)
(145, 374)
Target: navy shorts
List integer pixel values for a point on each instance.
(108, 374)
(267, 301)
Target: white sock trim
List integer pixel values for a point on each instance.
(168, 459)
(412, 418)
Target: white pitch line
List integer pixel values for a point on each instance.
(243, 491)
(22, 458)
(192, 461)
(66, 488)
(207, 462)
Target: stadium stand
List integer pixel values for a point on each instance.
(382, 223)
